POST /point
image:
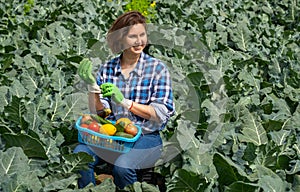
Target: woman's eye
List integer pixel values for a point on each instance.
(131, 36)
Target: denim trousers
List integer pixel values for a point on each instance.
(145, 152)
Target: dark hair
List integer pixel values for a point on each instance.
(120, 28)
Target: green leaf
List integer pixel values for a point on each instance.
(228, 171)
(17, 89)
(3, 97)
(106, 185)
(296, 146)
(76, 161)
(57, 108)
(15, 111)
(281, 110)
(215, 110)
(141, 187)
(184, 181)
(241, 186)
(268, 180)
(295, 167)
(252, 130)
(31, 63)
(279, 137)
(296, 183)
(33, 116)
(76, 104)
(31, 83)
(52, 147)
(196, 78)
(32, 147)
(250, 152)
(68, 107)
(197, 162)
(267, 155)
(12, 161)
(146, 187)
(249, 79)
(294, 121)
(58, 81)
(240, 34)
(60, 183)
(15, 172)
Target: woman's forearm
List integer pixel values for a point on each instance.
(95, 103)
(144, 111)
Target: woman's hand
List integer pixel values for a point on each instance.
(110, 90)
(85, 73)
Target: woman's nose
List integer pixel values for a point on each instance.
(138, 41)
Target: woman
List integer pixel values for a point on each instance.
(133, 85)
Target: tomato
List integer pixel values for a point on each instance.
(84, 125)
(131, 129)
(94, 126)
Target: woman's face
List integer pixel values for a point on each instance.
(136, 39)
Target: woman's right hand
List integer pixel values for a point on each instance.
(85, 71)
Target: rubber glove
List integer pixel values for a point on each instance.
(110, 90)
(85, 73)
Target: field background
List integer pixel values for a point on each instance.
(236, 77)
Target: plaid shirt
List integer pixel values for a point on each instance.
(148, 83)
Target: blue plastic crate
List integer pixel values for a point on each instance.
(112, 143)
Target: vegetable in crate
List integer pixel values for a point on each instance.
(86, 119)
(100, 119)
(127, 125)
(122, 134)
(94, 126)
(108, 129)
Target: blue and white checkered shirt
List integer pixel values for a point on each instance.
(149, 84)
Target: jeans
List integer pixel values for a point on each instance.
(145, 152)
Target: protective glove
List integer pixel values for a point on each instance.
(85, 73)
(110, 90)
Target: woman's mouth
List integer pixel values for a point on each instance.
(138, 47)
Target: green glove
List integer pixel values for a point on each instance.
(85, 73)
(110, 90)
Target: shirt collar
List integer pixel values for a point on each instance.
(138, 68)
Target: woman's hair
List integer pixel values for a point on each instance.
(120, 28)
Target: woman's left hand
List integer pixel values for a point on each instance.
(110, 90)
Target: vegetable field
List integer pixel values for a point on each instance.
(235, 67)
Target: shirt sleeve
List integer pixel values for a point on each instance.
(162, 97)
(161, 112)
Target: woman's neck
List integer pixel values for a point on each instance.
(129, 60)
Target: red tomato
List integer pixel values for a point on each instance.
(94, 126)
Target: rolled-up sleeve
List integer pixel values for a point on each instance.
(162, 97)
